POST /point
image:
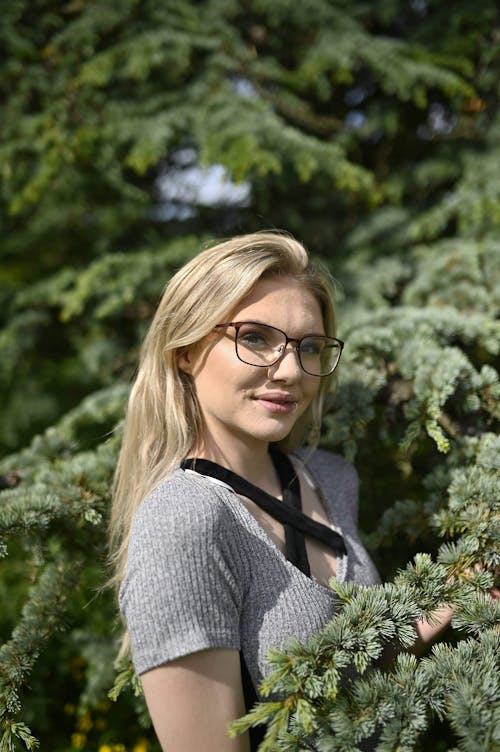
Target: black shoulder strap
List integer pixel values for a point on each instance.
(288, 513)
(295, 542)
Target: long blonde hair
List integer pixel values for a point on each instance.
(163, 418)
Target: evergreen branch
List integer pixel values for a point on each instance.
(13, 732)
(125, 678)
(41, 616)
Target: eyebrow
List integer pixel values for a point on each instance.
(266, 323)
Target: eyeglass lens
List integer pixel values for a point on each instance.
(262, 345)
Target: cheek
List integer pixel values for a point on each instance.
(221, 375)
(311, 388)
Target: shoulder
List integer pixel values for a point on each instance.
(327, 466)
(336, 479)
(187, 512)
(183, 500)
(183, 530)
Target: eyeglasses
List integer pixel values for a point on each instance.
(262, 345)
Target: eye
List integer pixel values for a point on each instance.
(254, 338)
(312, 346)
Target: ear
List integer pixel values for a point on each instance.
(184, 360)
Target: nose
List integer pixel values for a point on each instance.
(287, 368)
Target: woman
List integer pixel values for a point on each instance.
(224, 539)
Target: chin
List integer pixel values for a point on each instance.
(273, 437)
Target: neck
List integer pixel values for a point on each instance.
(252, 463)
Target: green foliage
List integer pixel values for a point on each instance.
(370, 130)
(336, 699)
(88, 311)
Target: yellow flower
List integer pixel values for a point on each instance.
(84, 722)
(78, 740)
(141, 746)
(105, 748)
(118, 748)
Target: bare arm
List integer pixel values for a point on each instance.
(428, 632)
(192, 699)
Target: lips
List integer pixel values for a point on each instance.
(277, 403)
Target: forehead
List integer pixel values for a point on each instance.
(283, 302)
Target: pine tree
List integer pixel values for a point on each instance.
(369, 130)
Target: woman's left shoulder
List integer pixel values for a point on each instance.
(328, 464)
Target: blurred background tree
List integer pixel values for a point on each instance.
(135, 132)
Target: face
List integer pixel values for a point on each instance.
(244, 404)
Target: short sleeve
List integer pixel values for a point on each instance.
(183, 588)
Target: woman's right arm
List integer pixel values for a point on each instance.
(192, 700)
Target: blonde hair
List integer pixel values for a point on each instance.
(163, 418)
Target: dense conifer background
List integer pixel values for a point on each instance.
(371, 131)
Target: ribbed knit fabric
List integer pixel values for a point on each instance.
(202, 573)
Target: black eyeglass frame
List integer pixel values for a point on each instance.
(238, 324)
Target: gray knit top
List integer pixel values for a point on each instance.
(202, 573)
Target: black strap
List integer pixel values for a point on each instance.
(256, 733)
(296, 524)
(295, 542)
(288, 513)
